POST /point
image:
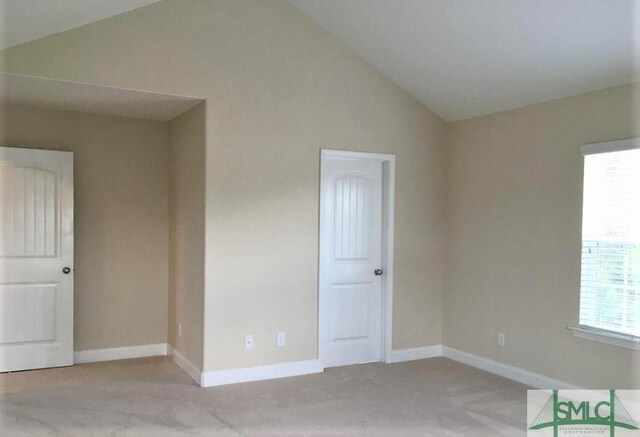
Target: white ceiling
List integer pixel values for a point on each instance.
(25, 20)
(464, 58)
(461, 58)
(72, 96)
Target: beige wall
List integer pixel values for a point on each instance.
(278, 89)
(515, 193)
(121, 219)
(186, 272)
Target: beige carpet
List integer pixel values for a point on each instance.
(152, 397)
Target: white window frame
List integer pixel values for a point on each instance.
(589, 332)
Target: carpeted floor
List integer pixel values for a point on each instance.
(152, 397)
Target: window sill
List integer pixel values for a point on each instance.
(607, 337)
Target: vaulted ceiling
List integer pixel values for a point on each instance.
(460, 58)
(464, 58)
(26, 20)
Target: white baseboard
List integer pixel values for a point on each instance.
(416, 353)
(187, 366)
(119, 353)
(517, 374)
(297, 368)
(259, 373)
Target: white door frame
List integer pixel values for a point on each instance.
(388, 162)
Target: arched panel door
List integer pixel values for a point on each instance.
(351, 240)
(36, 259)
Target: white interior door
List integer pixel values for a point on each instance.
(350, 253)
(36, 259)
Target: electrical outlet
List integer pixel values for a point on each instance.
(248, 341)
(179, 329)
(502, 340)
(281, 338)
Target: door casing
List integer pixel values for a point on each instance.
(388, 162)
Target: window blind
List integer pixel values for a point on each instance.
(610, 274)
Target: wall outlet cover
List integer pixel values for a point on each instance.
(502, 339)
(248, 341)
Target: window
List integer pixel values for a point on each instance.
(610, 275)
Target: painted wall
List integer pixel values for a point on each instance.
(515, 211)
(186, 272)
(278, 89)
(121, 170)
